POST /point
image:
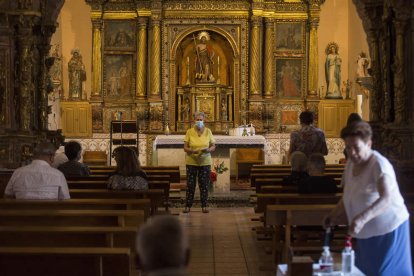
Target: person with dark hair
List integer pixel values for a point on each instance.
(308, 139)
(128, 174)
(373, 207)
(317, 182)
(198, 145)
(352, 118)
(38, 180)
(298, 163)
(73, 150)
(162, 247)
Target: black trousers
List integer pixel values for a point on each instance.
(203, 175)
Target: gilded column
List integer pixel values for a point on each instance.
(142, 58)
(255, 57)
(313, 49)
(155, 59)
(96, 58)
(400, 87)
(268, 62)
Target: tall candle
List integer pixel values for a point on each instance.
(188, 60)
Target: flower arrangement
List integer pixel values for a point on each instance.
(218, 168)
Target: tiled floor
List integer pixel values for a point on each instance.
(223, 243)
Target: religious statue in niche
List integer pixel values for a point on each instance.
(55, 73)
(77, 75)
(363, 62)
(333, 71)
(204, 58)
(223, 109)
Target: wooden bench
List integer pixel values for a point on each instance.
(264, 200)
(258, 179)
(78, 204)
(156, 196)
(284, 217)
(65, 261)
(248, 156)
(71, 217)
(68, 236)
(172, 171)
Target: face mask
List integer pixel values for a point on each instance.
(199, 124)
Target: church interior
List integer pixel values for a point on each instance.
(113, 72)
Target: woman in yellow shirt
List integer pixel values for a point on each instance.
(198, 143)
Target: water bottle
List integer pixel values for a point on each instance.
(348, 257)
(326, 260)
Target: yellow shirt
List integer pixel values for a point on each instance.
(196, 142)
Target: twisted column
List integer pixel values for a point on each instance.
(313, 58)
(96, 58)
(255, 57)
(142, 58)
(268, 62)
(155, 60)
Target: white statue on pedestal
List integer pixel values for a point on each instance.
(363, 62)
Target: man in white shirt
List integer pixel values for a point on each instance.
(38, 177)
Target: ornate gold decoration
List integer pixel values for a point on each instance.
(155, 60)
(142, 58)
(268, 59)
(313, 57)
(255, 57)
(96, 58)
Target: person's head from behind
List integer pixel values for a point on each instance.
(298, 161)
(73, 150)
(45, 151)
(357, 137)
(352, 118)
(316, 164)
(126, 161)
(306, 117)
(162, 244)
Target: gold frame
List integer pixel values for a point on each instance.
(206, 102)
(284, 27)
(302, 84)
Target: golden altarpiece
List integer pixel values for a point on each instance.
(238, 61)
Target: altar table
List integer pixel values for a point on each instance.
(169, 150)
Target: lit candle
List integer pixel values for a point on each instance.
(188, 60)
(218, 60)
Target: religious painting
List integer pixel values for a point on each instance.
(206, 105)
(120, 35)
(110, 114)
(289, 77)
(289, 36)
(289, 117)
(97, 122)
(119, 81)
(156, 117)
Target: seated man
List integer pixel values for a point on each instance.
(317, 182)
(60, 157)
(38, 174)
(73, 167)
(162, 247)
(298, 162)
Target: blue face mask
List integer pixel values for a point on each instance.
(199, 124)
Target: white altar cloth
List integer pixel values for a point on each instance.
(168, 141)
(168, 150)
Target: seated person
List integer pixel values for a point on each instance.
(73, 167)
(39, 174)
(298, 162)
(317, 182)
(128, 174)
(60, 157)
(162, 247)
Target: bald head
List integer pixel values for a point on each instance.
(162, 244)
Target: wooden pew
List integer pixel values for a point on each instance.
(172, 171)
(155, 196)
(264, 200)
(64, 261)
(77, 204)
(68, 236)
(71, 217)
(277, 189)
(284, 217)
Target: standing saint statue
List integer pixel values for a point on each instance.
(77, 75)
(204, 58)
(333, 71)
(363, 62)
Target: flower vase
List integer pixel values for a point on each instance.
(211, 187)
